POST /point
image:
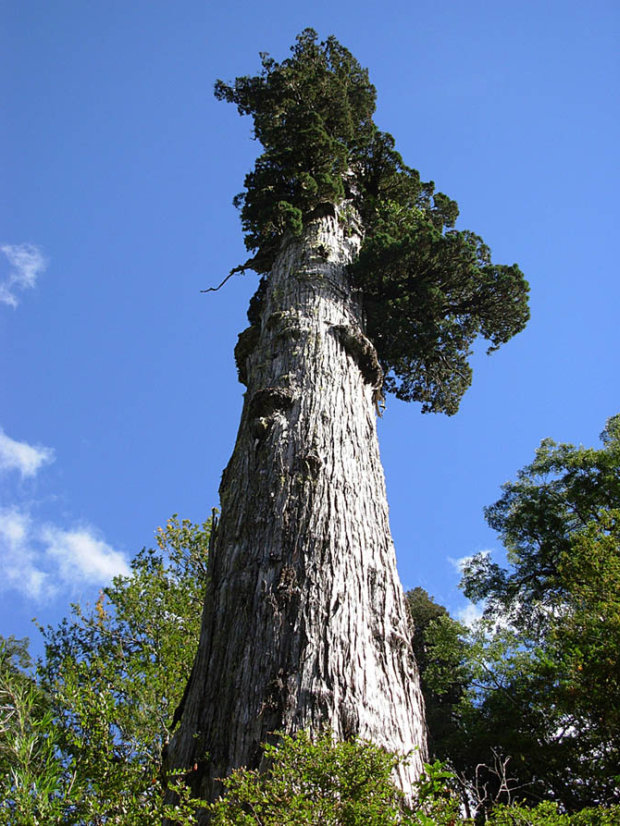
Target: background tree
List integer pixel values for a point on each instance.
(442, 656)
(82, 738)
(75, 750)
(541, 672)
(561, 599)
(34, 782)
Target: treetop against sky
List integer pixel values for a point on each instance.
(429, 290)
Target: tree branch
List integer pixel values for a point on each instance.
(240, 268)
(219, 286)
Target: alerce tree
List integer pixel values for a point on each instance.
(365, 287)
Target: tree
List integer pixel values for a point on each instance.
(316, 781)
(552, 665)
(82, 738)
(524, 705)
(454, 671)
(304, 623)
(31, 775)
(442, 656)
(116, 673)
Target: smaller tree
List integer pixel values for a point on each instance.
(82, 738)
(455, 665)
(116, 674)
(442, 655)
(555, 613)
(314, 780)
(526, 704)
(33, 780)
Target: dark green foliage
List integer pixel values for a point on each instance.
(429, 290)
(311, 113)
(89, 729)
(428, 294)
(313, 780)
(551, 661)
(441, 655)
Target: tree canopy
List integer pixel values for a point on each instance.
(429, 290)
(82, 739)
(537, 681)
(560, 523)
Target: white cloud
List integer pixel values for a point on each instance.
(81, 556)
(470, 614)
(26, 262)
(20, 456)
(460, 563)
(18, 563)
(40, 560)
(14, 527)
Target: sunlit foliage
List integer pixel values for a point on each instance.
(429, 290)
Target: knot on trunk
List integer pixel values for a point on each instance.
(349, 720)
(312, 464)
(265, 402)
(322, 210)
(245, 346)
(287, 584)
(285, 324)
(276, 693)
(363, 353)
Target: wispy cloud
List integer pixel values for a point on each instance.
(460, 563)
(82, 556)
(22, 457)
(40, 560)
(470, 614)
(26, 263)
(19, 567)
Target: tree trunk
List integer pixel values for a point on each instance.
(305, 622)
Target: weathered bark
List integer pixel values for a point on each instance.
(304, 622)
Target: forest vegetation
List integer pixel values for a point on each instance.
(522, 707)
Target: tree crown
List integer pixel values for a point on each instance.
(429, 290)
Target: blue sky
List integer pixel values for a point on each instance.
(119, 403)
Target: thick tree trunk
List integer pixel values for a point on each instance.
(305, 622)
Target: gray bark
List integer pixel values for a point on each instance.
(305, 621)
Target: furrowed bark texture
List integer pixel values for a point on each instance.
(305, 622)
